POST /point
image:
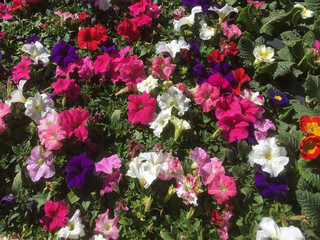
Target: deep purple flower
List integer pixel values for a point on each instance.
(278, 98)
(200, 72)
(63, 54)
(270, 186)
(32, 206)
(108, 47)
(195, 47)
(78, 170)
(6, 200)
(32, 39)
(222, 68)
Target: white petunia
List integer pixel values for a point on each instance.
(102, 4)
(269, 155)
(304, 13)
(270, 230)
(263, 54)
(205, 32)
(16, 95)
(148, 84)
(37, 52)
(146, 167)
(160, 122)
(187, 20)
(38, 107)
(172, 48)
(74, 228)
(97, 237)
(174, 98)
(179, 126)
(187, 188)
(223, 12)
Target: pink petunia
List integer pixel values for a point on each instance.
(4, 109)
(52, 137)
(22, 70)
(206, 96)
(256, 4)
(222, 187)
(234, 127)
(107, 227)
(209, 170)
(249, 110)
(66, 87)
(86, 71)
(141, 20)
(4, 11)
(102, 64)
(217, 80)
(162, 67)
(107, 164)
(70, 69)
(141, 108)
(227, 105)
(230, 30)
(111, 182)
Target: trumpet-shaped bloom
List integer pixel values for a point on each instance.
(74, 228)
(187, 188)
(52, 137)
(159, 123)
(187, 20)
(253, 96)
(172, 48)
(39, 164)
(4, 11)
(206, 32)
(222, 187)
(16, 95)
(63, 54)
(162, 67)
(22, 70)
(271, 230)
(235, 127)
(106, 226)
(179, 126)
(107, 164)
(223, 12)
(263, 54)
(269, 155)
(206, 96)
(148, 84)
(37, 52)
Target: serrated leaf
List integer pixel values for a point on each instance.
(290, 38)
(301, 109)
(247, 17)
(309, 172)
(267, 68)
(313, 86)
(283, 68)
(313, 5)
(274, 22)
(310, 205)
(290, 141)
(285, 54)
(245, 47)
(17, 183)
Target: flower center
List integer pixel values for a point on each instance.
(37, 107)
(278, 98)
(263, 54)
(304, 11)
(35, 53)
(141, 106)
(162, 122)
(268, 155)
(171, 103)
(223, 188)
(107, 226)
(40, 161)
(162, 66)
(310, 147)
(71, 226)
(313, 127)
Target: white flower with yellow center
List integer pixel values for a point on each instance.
(159, 123)
(74, 228)
(269, 155)
(223, 12)
(37, 52)
(187, 20)
(17, 95)
(205, 32)
(304, 13)
(147, 85)
(263, 54)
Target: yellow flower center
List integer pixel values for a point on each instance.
(268, 156)
(71, 226)
(314, 128)
(278, 98)
(40, 161)
(35, 53)
(171, 103)
(304, 11)
(310, 147)
(162, 122)
(37, 107)
(263, 54)
(223, 188)
(162, 66)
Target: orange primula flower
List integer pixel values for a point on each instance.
(309, 125)
(310, 147)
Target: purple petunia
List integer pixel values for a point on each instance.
(6, 200)
(78, 170)
(278, 98)
(34, 38)
(270, 186)
(63, 54)
(195, 47)
(200, 72)
(108, 47)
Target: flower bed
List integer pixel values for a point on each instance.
(165, 120)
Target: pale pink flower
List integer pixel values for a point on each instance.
(222, 187)
(4, 11)
(50, 119)
(171, 167)
(4, 109)
(199, 156)
(206, 96)
(52, 137)
(162, 67)
(107, 164)
(64, 16)
(261, 127)
(86, 71)
(40, 164)
(209, 170)
(230, 30)
(107, 227)
(122, 206)
(256, 4)
(22, 70)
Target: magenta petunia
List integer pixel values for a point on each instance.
(162, 67)
(22, 70)
(234, 127)
(107, 164)
(207, 96)
(227, 105)
(141, 108)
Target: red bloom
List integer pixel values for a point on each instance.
(16, 4)
(128, 30)
(55, 215)
(241, 77)
(82, 16)
(216, 56)
(229, 49)
(310, 147)
(216, 218)
(309, 125)
(90, 37)
(141, 108)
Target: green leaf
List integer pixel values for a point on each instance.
(310, 205)
(41, 198)
(166, 235)
(86, 205)
(301, 109)
(72, 197)
(274, 23)
(313, 86)
(247, 17)
(285, 54)
(290, 141)
(243, 149)
(17, 183)
(283, 68)
(267, 68)
(313, 5)
(290, 38)
(115, 117)
(310, 172)
(245, 47)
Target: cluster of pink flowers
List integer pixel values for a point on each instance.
(230, 30)
(22, 70)
(66, 87)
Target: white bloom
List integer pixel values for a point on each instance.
(179, 126)
(271, 157)
(188, 188)
(304, 13)
(271, 230)
(97, 237)
(187, 20)
(263, 54)
(206, 32)
(102, 4)
(38, 107)
(253, 96)
(148, 84)
(174, 98)
(160, 122)
(172, 48)
(16, 95)
(147, 166)
(223, 12)
(74, 228)
(37, 52)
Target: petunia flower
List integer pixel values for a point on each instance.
(103, 5)
(148, 84)
(270, 230)
(206, 96)
(222, 187)
(78, 170)
(37, 52)
(63, 54)
(107, 164)
(269, 155)
(263, 54)
(160, 121)
(188, 188)
(17, 95)
(224, 11)
(74, 228)
(310, 147)
(22, 70)
(128, 30)
(110, 182)
(106, 226)
(172, 48)
(162, 67)
(310, 125)
(39, 164)
(256, 4)
(230, 30)
(253, 96)
(278, 98)
(189, 20)
(179, 126)
(4, 11)
(206, 32)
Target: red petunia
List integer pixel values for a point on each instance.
(229, 48)
(216, 56)
(310, 147)
(16, 4)
(128, 30)
(90, 37)
(310, 125)
(241, 77)
(82, 16)
(141, 108)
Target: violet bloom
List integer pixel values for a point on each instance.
(200, 72)
(78, 170)
(6, 200)
(195, 47)
(108, 47)
(63, 54)
(32, 206)
(34, 38)
(270, 186)
(278, 98)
